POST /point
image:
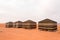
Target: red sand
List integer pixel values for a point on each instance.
(26, 34)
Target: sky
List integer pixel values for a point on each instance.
(36, 10)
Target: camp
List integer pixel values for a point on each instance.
(29, 24)
(48, 25)
(17, 24)
(9, 25)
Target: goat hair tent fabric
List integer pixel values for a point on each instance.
(48, 25)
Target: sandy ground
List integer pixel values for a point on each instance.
(26, 34)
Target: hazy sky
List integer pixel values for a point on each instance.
(36, 10)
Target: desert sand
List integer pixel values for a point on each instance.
(27, 34)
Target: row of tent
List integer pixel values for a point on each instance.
(46, 24)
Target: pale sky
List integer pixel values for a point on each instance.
(36, 10)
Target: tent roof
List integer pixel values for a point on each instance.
(30, 21)
(9, 22)
(18, 21)
(47, 21)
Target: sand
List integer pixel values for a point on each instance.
(26, 34)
